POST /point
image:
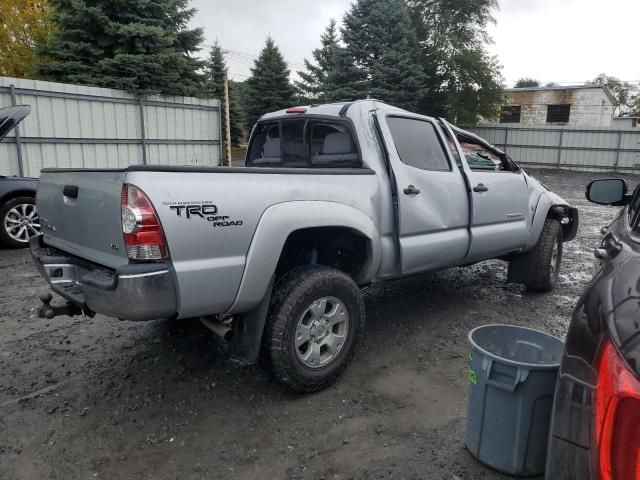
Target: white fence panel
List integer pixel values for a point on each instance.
(89, 127)
(576, 148)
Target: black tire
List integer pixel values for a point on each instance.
(5, 210)
(291, 299)
(547, 268)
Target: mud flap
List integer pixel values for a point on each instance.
(248, 328)
(522, 266)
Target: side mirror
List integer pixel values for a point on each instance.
(608, 191)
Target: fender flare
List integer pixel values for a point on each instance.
(281, 220)
(546, 203)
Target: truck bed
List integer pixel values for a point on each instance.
(209, 216)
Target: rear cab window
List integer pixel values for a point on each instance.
(303, 142)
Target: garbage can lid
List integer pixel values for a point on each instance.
(518, 346)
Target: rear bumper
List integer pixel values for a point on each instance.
(131, 292)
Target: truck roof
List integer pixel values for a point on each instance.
(338, 109)
(355, 108)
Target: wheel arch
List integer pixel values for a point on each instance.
(283, 223)
(551, 205)
(11, 194)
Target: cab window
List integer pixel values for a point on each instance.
(482, 158)
(417, 144)
(303, 142)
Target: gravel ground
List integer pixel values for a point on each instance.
(99, 398)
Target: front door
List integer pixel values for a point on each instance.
(499, 199)
(432, 203)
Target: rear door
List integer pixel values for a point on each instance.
(80, 213)
(432, 201)
(499, 198)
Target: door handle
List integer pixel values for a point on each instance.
(480, 188)
(70, 191)
(411, 190)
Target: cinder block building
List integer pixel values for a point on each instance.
(626, 122)
(584, 105)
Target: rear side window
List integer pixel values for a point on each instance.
(418, 144)
(265, 149)
(303, 143)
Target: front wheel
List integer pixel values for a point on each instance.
(548, 257)
(18, 222)
(315, 322)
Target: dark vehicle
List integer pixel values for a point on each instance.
(595, 429)
(18, 215)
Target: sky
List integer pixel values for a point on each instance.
(564, 41)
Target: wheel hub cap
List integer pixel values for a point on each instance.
(321, 332)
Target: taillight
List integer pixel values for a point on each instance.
(617, 418)
(142, 232)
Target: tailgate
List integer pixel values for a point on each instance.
(80, 213)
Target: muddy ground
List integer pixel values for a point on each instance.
(99, 398)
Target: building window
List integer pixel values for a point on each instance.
(510, 114)
(558, 113)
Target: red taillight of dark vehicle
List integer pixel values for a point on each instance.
(141, 229)
(617, 418)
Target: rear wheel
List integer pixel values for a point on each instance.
(19, 222)
(548, 257)
(315, 322)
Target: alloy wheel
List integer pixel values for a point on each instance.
(22, 222)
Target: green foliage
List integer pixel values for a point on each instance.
(313, 80)
(463, 81)
(24, 24)
(268, 88)
(214, 73)
(238, 93)
(381, 56)
(626, 94)
(527, 83)
(142, 46)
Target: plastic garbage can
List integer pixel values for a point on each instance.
(513, 372)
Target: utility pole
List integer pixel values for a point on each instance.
(227, 121)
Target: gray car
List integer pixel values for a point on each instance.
(18, 215)
(332, 198)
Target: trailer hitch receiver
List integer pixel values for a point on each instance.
(46, 310)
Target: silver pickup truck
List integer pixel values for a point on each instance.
(332, 198)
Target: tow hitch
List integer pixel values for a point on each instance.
(46, 310)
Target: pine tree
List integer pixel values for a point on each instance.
(143, 46)
(268, 87)
(381, 57)
(214, 72)
(463, 80)
(215, 69)
(313, 82)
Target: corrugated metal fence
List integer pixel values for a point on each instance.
(77, 126)
(586, 149)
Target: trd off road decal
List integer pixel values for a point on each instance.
(203, 209)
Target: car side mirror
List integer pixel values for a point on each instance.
(608, 191)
